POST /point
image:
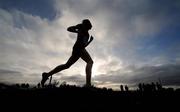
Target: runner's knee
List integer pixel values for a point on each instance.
(66, 66)
(90, 62)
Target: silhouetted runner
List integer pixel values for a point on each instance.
(79, 51)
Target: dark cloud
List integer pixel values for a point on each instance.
(4, 71)
(42, 8)
(129, 46)
(168, 74)
(10, 75)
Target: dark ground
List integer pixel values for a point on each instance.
(90, 99)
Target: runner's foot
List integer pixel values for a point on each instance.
(44, 78)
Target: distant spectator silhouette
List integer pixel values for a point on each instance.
(38, 85)
(150, 87)
(79, 51)
(121, 87)
(126, 88)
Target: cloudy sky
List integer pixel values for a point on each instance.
(134, 40)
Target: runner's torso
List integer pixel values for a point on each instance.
(82, 40)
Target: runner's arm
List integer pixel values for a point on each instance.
(91, 39)
(74, 29)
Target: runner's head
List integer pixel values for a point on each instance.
(87, 24)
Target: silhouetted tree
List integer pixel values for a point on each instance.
(153, 86)
(23, 85)
(27, 86)
(63, 83)
(159, 86)
(55, 83)
(17, 86)
(140, 86)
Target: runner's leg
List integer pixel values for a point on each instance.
(68, 64)
(87, 58)
(75, 56)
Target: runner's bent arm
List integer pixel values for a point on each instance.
(91, 39)
(74, 29)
